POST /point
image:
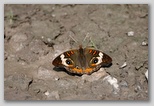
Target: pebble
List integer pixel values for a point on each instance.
(146, 74)
(114, 82)
(139, 65)
(47, 93)
(124, 65)
(53, 15)
(137, 88)
(48, 39)
(54, 95)
(130, 33)
(57, 78)
(123, 83)
(42, 37)
(144, 44)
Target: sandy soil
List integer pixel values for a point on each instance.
(35, 34)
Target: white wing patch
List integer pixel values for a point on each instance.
(99, 58)
(63, 59)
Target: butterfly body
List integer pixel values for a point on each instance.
(82, 60)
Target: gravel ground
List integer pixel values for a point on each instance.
(35, 34)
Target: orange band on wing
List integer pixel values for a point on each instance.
(94, 52)
(88, 70)
(71, 52)
(68, 54)
(70, 66)
(75, 70)
(90, 51)
(93, 65)
(80, 71)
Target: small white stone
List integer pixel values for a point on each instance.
(56, 78)
(42, 37)
(130, 33)
(144, 44)
(114, 82)
(53, 15)
(46, 93)
(124, 65)
(146, 74)
(48, 39)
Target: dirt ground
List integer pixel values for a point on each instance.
(35, 34)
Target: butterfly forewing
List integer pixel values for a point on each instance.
(106, 60)
(59, 60)
(98, 57)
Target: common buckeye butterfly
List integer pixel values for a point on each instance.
(82, 61)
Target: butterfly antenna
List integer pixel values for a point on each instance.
(87, 36)
(73, 38)
(93, 44)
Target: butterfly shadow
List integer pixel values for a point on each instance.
(107, 65)
(61, 69)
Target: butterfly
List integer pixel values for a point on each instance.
(82, 61)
